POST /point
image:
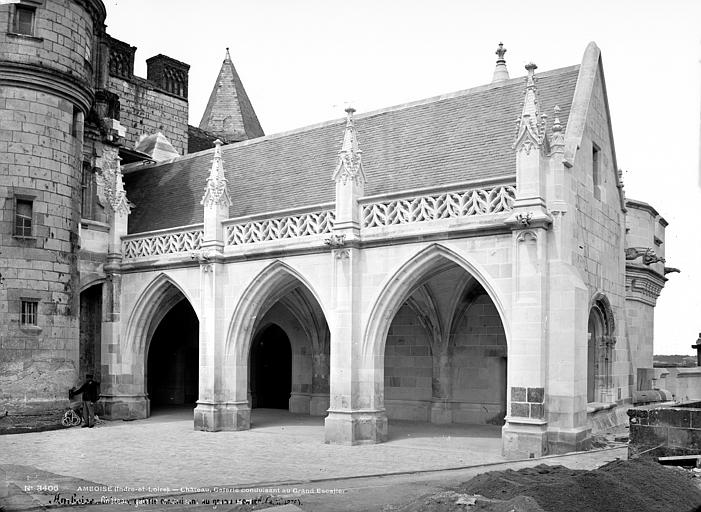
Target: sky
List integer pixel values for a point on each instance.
(302, 62)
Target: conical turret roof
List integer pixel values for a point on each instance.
(229, 113)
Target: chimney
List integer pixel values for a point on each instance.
(168, 74)
(500, 72)
(121, 58)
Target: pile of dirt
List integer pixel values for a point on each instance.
(639, 485)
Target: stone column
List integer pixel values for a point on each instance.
(525, 431)
(356, 413)
(319, 402)
(441, 407)
(217, 408)
(568, 311)
(123, 394)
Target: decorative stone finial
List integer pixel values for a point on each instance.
(557, 143)
(500, 72)
(500, 52)
(216, 191)
(529, 133)
(350, 165)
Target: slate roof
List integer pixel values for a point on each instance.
(448, 139)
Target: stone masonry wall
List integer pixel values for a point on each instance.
(145, 110)
(659, 431)
(599, 233)
(38, 160)
(62, 39)
(408, 367)
(479, 363)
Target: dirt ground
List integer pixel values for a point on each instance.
(643, 486)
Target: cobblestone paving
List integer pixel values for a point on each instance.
(165, 452)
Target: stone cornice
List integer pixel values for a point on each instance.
(643, 284)
(47, 80)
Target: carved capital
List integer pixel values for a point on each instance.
(336, 241)
(205, 257)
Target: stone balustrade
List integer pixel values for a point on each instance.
(451, 202)
(463, 200)
(316, 220)
(181, 240)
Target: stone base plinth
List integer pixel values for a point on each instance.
(299, 403)
(524, 439)
(355, 427)
(124, 407)
(214, 417)
(319, 405)
(566, 440)
(441, 413)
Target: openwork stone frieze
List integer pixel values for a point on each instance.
(292, 226)
(478, 201)
(162, 243)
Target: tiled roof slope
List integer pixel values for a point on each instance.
(448, 139)
(198, 139)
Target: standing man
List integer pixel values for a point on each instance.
(91, 392)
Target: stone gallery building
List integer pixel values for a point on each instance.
(432, 261)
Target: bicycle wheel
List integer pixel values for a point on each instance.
(66, 420)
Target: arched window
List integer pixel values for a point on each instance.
(600, 352)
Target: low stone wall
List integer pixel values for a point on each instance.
(665, 430)
(683, 383)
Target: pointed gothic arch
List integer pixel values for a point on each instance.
(269, 287)
(601, 341)
(404, 280)
(154, 302)
(255, 300)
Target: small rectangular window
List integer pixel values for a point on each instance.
(77, 124)
(23, 218)
(29, 312)
(23, 22)
(596, 171)
(88, 187)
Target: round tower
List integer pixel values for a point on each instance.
(47, 50)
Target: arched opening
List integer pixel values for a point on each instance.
(90, 337)
(279, 305)
(600, 343)
(172, 370)
(271, 369)
(445, 352)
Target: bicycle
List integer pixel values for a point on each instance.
(71, 418)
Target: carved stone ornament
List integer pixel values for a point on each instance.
(216, 191)
(110, 186)
(336, 241)
(524, 219)
(648, 255)
(350, 164)
(204, 257)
